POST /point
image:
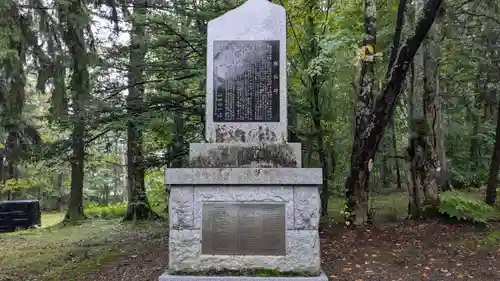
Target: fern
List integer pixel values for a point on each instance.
(462, 207)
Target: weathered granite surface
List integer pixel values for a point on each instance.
(167, 277)
(307, 206)
(244, 194)
(254, 20)
(302, 203)
(224, 155)
(302, 254)
(180, 208)
(249, 176)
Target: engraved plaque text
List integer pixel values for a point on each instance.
(243, 229)
(246, 81)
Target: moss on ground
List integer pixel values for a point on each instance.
(65, 253)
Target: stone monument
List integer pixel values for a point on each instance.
(245, 208)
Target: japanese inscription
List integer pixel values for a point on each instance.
(246, 81)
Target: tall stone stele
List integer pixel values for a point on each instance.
(245, 206)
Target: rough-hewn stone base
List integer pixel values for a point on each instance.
(240, 155)
(296, 188)
(167, 277)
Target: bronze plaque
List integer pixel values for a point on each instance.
(243, 229)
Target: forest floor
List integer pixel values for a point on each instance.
(112, 251)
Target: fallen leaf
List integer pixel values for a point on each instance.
(425, 275)
(346, 269)
(460, 276)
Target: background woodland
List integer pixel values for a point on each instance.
(97, 98)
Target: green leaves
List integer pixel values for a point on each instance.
(463, 207)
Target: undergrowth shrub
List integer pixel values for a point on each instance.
(157, 195)
(463, 207)
(493, 238)
(106, 212)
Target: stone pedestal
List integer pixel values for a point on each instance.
(295, 188)
(167, 277)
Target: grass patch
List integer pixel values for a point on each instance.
(106, 212)
(51, 219)
(385, 207)
(65, 253)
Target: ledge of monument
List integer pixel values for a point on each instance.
(167, 277)
(244, 176)
(253, 155)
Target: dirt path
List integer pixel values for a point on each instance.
(410, 251)
(145, 260)
(400, 252)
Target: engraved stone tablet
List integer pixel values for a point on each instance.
(246, 81)
(243, 229)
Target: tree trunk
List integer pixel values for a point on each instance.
(491, 189)
(386, 175)
(325, 192)
(432, 100)
(75, 207)
(364, 151)
(422, 161)
(105, 194)
(413, 182)
(475, 118)
(124, 172)
(57, 184)
(357, 186)
(77, 21)
(178, 141)
(398, 30)
(292, 122)
(395, 152)
(138, 207)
